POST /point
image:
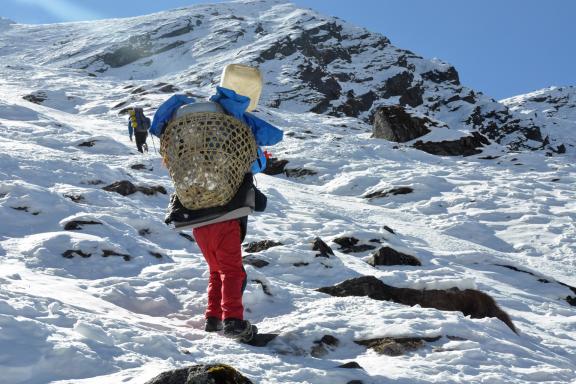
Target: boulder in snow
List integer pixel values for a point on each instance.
(395, 123)
(201, 374)
(470, 302)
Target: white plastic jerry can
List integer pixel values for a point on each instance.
(244, 80)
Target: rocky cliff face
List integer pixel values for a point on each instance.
(310, 63)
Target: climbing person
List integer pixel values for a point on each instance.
(212, 150)
(138, 124)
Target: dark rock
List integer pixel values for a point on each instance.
(187, 236)
(201, 374)
(75, 198)
(25, 209)
(157, 255)
(465, 146)
(275, 166)
(76, 225)
(330, 340)
(168, 88)
(126, 188)
(37, 97)
(397, 84)
(299, 172)
(144, 232)
(450, 75)
(387, 228)
(346, 241)
(350, 245)
(123, 187)
(138, 167)
(265, 288)
(107, 253)
(321, 346)
(396, 346)
(322, 247)
(470, 302)
(355, 382)
(393, 191)
(254, 261)
(354, 105)
(150, 191)
(69, 254)
(259, 246)
(394, 123)
(412, 96)
(389, 256)
(94, 182)
(350, 365)
(300, 264)
(318, 79)
(89, 143)
(138, 90)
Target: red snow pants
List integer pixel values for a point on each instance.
(220, 245)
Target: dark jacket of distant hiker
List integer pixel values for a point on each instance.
(138, 124)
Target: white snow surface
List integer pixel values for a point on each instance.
(125, 319)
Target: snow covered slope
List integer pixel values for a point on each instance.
(94, 288)
(310, 62)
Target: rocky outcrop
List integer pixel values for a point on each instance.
(465, 146)
(470, 302)
(394, 123)
(201, 374)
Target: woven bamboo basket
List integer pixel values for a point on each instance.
(207, 155)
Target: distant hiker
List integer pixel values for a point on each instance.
(212, 151)
(139, 125)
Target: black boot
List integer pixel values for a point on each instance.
(240, 330)
(213, 324)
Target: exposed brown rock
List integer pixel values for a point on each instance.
(389, 256)
(470, 302)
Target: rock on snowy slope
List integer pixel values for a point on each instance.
(201, 374)
(310, 62)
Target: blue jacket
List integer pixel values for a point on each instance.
(235, 105)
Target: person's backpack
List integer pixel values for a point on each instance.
(138, 121)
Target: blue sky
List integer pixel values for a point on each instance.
(500, 47)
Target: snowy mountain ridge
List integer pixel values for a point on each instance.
(311, 63)
(94, 288)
